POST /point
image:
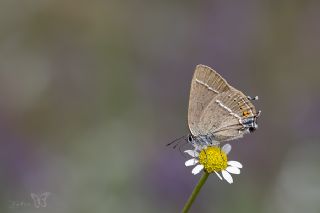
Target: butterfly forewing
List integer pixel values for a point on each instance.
(206, 84)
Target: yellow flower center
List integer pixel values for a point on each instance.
(213, 159)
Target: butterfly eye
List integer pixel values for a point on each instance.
(252, 129)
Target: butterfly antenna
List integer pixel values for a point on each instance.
(178, 143)
(176, 140)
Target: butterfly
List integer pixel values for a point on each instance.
(39, 200)
(217, 111)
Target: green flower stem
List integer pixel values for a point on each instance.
(195, 192)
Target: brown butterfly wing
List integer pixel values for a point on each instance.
(205, 86)
(215, 107)
(223, 115)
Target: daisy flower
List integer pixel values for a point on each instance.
(214, 159)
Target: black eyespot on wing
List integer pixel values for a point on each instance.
(190, 139)
(252, 129)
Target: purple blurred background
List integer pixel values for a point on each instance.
(90, 93)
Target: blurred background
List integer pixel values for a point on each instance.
(92, 91)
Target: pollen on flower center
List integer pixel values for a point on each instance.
(213, 159)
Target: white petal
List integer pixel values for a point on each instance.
(233, 170)
(235, 164)
(219, 176)
(191, 162)
(227, 176)
(226, 148)
(197, 169)
(192, 153)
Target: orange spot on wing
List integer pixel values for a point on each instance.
(246, 113)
